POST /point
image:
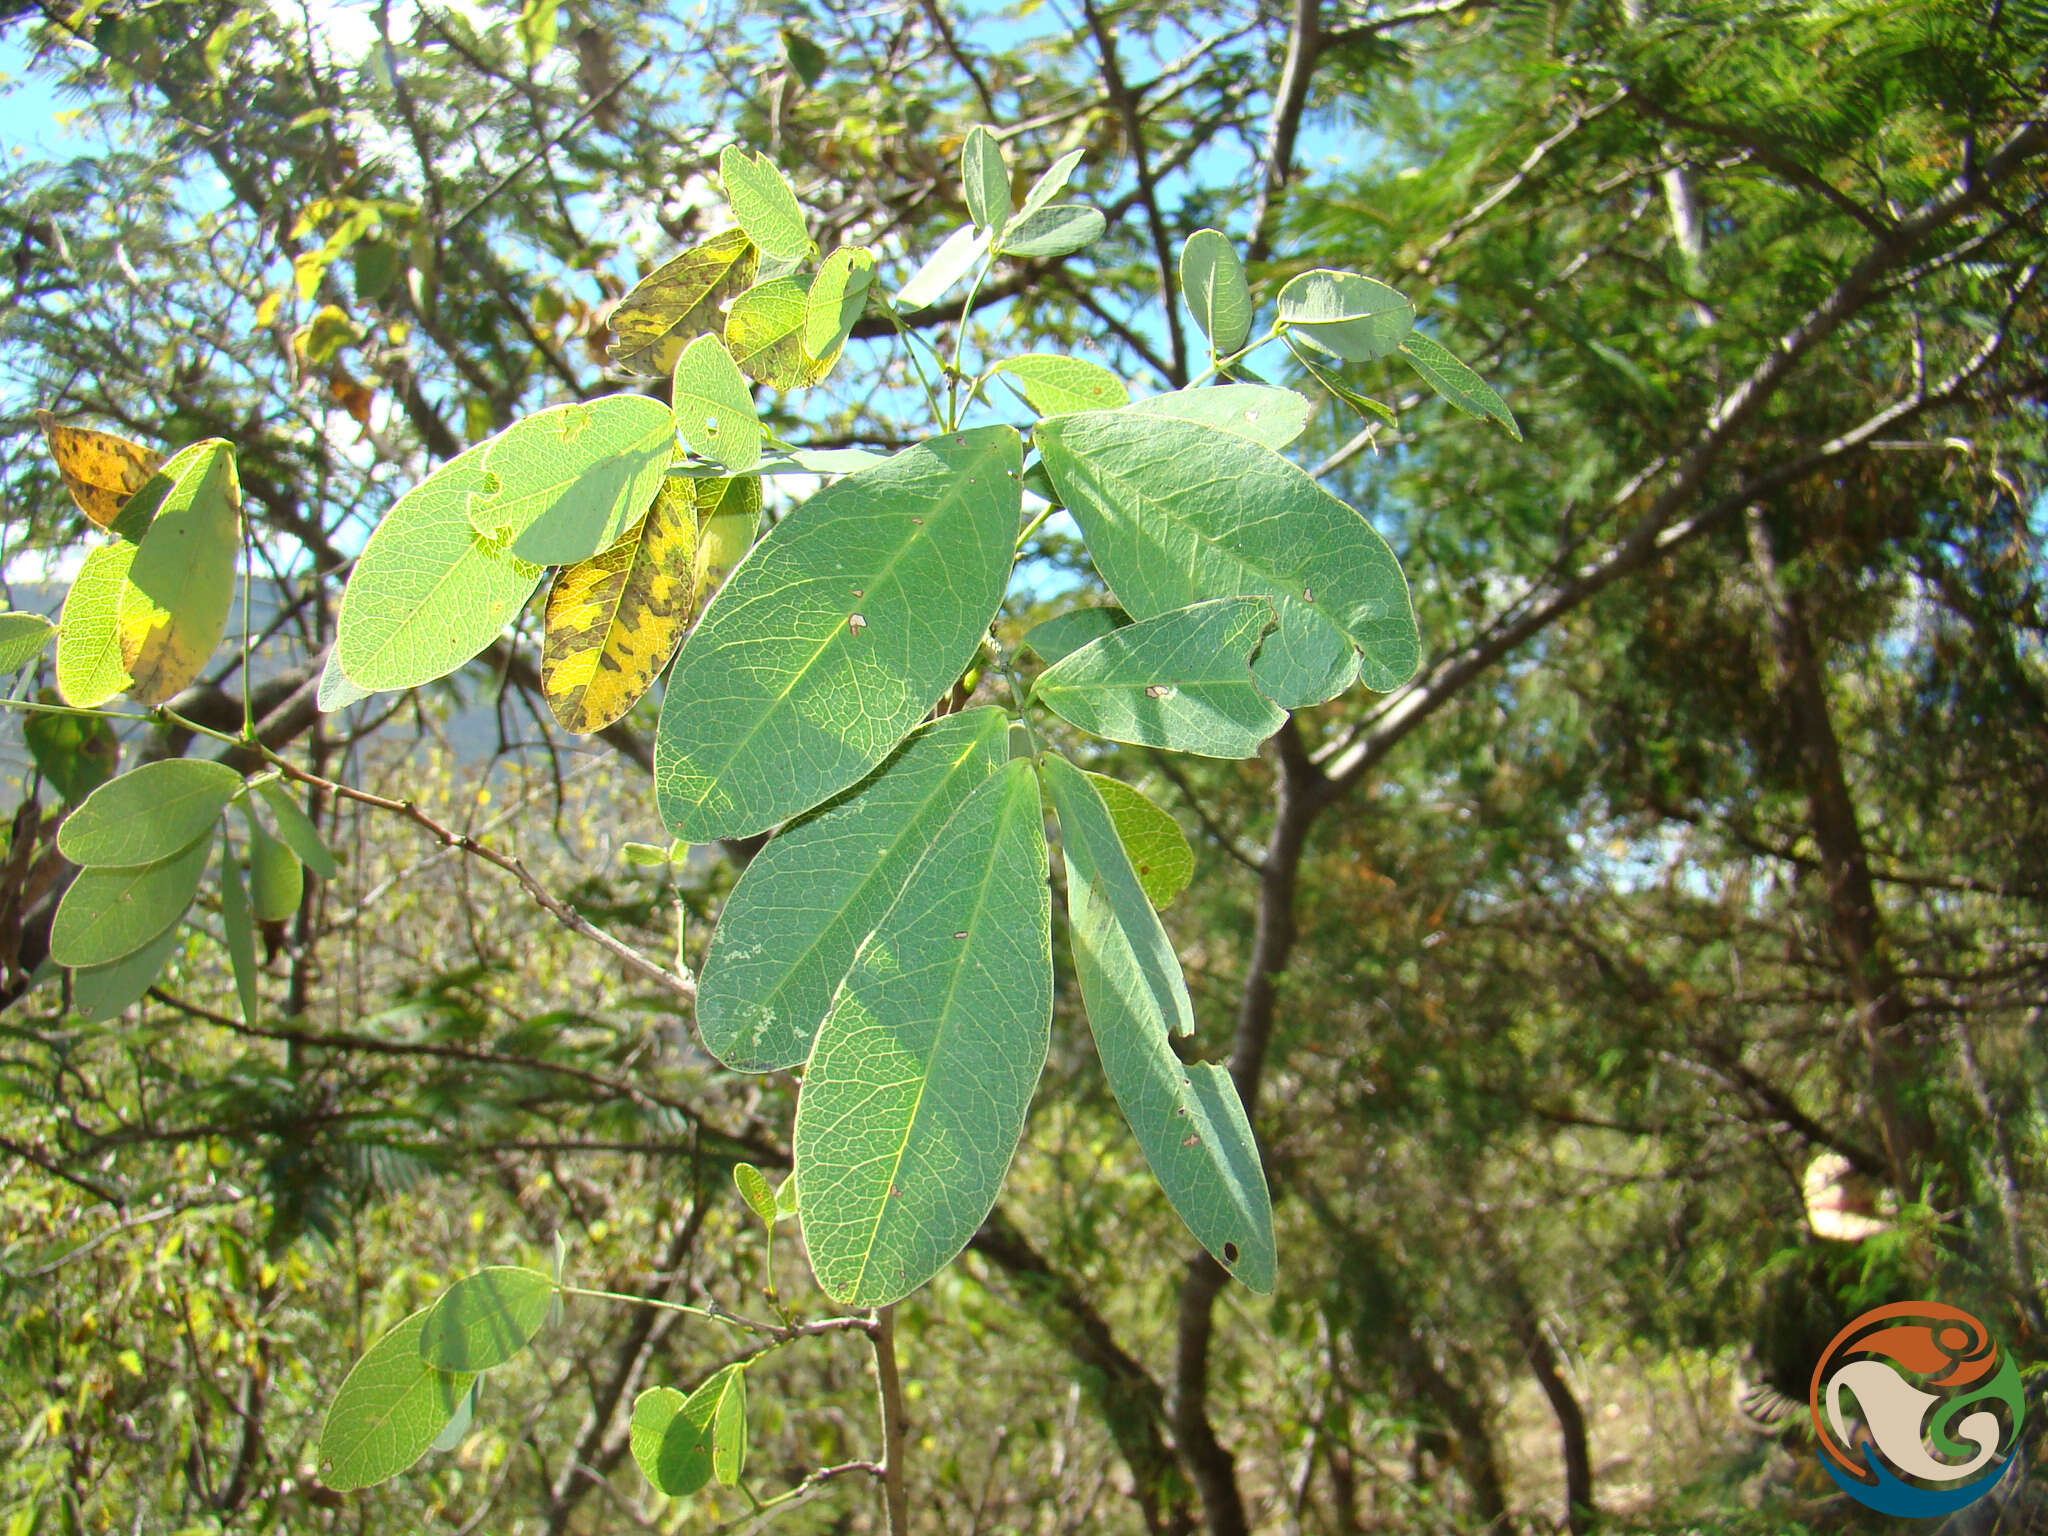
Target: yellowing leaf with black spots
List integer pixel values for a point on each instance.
(613, 622)
(181, 586)
(100, 470)
(680, 300)
(765, 333)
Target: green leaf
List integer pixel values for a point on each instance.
(89, 666)
(277, 881)
(763, 204)
(181, 584)
(766, 333)
(1456, 383)
(238, 924)
(985, 180)
(728, 515)
(428, 591)
(75, 754)
(484, 1319)
(1059, 230)
(1062, 635)
(729, 1430)
(791, 927)
(296, 828)
(1051, 184)
(148, 813)
(828, 462)
(1367, 407)
(674, 1437)
(1200, 1147)
(99, 992)
(682, 298)
(838, 297)
(389, 1411)
(456, 1430)
(1181, 681)
(836, 634)
(1212, 282)
(22, 639)
(337, 690)
(1056, 385)
(714, 408)
(1275, 417)
(109, 913)
(805, 57)
(755, 1189)
(564, 483)
(1153, 841)
(1175, 512)
(537, 29)
(916, 1090)
(1345, 315)
(953, 260)
(785, 1198)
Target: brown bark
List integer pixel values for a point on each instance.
(1542, 1360)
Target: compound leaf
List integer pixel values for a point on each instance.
(389, 1411)
(917, 1088)
(111, 913)
(1212, 282)
(1175, 512)
(613, 621)
(791, 927)
(681, 299)
(1181, 681)
(1153, 841)
(1055, 384)
(1131, 986)
(429, 591)
(764, 204)
(836, 634)
(484, 1319)
(563, 483)
(148, 813)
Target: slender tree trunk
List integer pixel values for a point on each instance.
(1541, 1356)
(1855, 926)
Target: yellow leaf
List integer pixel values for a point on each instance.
(679, 301)
(613, 621)
(100, 470)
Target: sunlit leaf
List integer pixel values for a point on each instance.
(1212, 282)
(484, 1319)
(149, 813)
(766, 333)
(1051, 184)
(1186, 1116)
(836, 634)
(838, 296)
(683, 298)
(89, 666)
(100, 470)
(674, 1437)
(1275, 417)
(985, 180)
(953, 260)
(109, 913)
(536, 27)
(799, 914)
(915, 1093)
(1345, 315)
(1181, 681)
(1175, 512)
(1055, 384)
(714, 408)
(1059, 230)
(1318, 365)
(564, 483)
(1457, 383)
(428, 591)
(728, 516)
(389, 1411)
(729, 1430)
(613, 621)
(763, 204)
(1153, 841)
(181, 585)
(23, 637)
(755, 1189)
